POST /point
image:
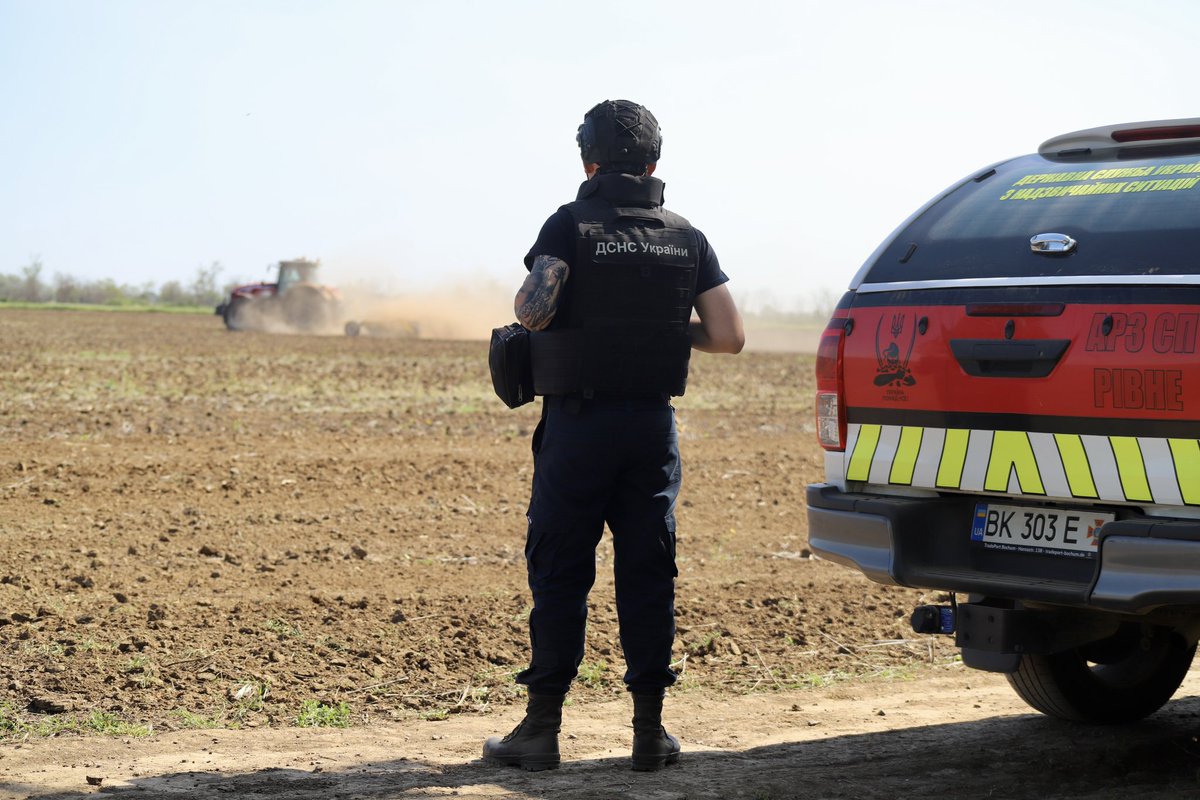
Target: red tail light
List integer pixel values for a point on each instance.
(831, 394)
(1156, 133)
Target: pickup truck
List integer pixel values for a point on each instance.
(1008, 398)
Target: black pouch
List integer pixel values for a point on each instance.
(508, 360)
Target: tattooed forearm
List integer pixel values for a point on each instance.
(537, 299)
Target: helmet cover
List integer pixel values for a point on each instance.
(619, 131)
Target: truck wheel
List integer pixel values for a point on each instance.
(1103, 683)
(234, 314)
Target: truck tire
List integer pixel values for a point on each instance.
(1133, 681)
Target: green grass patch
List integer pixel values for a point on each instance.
(249, 698)
(10, 721)
(54, 725)
(314, 714)
(818, 680)
(44, 649)
(196, 722)
(282, 628)
(593, 674)
(109, 724)
(13, 726)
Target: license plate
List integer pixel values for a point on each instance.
(1073, 533)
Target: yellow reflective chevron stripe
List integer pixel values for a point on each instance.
(864, 452)
(1186, 455)
(1075, 462)
(905, 461)
(1119, 469)
(953, 459)
(1013, 454)
(1132, 468)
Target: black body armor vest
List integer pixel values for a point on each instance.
(621, 324)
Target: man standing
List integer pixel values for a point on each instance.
(613, 281)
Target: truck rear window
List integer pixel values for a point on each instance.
(1129, 217)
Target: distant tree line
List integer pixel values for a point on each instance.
(29, 286)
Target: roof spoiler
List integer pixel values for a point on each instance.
(1130, 134)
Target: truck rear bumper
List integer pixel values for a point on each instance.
(861, 541)
(1143, 562)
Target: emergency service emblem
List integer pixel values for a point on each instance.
(893, 351)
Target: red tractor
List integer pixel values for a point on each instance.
(294, 302)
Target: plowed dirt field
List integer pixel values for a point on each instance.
(205, 531)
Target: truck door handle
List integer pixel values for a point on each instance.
(993, 358)
(1052, 243)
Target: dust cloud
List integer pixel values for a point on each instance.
(773, 338)
(458, 313)
(471, 314)
(470, 308)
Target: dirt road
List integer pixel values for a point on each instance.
(208, 537)
(946, 733)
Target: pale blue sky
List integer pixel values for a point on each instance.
(418, 144)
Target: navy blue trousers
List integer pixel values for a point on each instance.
(614, 460)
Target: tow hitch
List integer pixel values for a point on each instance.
(935, 619)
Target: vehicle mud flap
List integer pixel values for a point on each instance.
(990, 662)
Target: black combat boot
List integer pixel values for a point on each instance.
(533, 744)
(653, 747)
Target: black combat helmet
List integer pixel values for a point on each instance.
(619, 133)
